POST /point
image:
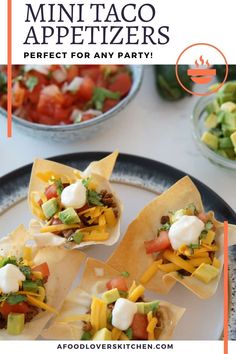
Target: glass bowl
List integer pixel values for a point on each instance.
(198, 117)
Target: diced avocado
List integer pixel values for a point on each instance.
(210, 236)
(50, 208)
(69, 216)
(210, 140)
(227, 131)
(145, 307)
(233, 139)
(217, 132)
(230, 120)
(211, 121)
(206, 273)
(220, 117)
(110, 296)
(212, 107)
(228, 107)
(103, 334)
(140, 307)
(222, 153)
(225, 143)
(86, 336)
(15, 323)
(230, 153)
(227, 93)
(78, 237)
(29, 285)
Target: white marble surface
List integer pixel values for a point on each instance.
(148, 127)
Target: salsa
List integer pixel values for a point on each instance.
(64, 94)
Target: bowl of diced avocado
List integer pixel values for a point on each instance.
(214, 125)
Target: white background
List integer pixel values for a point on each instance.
(3, 31)
(190, 22)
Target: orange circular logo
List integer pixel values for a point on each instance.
(199, 56)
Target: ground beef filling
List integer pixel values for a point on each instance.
(107, 199)
(28, 316)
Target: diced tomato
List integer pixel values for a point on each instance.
(62, 114)
(49, 97)
(18, 94)
(69, 99)
(42, 268)
(159, 244)
(203, 216)
(108, 104)
(85, 92)
(43, 118)
(122, 83)
(34, 95)
(72, 72)
(51, 191)
(92, 71)
(139, 326)
(6, 308)
(54, 67)
(87, 116)
(118, 283)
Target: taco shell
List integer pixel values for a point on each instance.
(93, 283)
(60, 261)
(130, 254)
(99, 170)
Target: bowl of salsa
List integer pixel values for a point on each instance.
(67, 101)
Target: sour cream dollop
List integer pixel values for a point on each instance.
(74, 195)
(10, 278)
(123, 313)
(185, 231)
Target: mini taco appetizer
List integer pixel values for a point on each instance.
(32, 285)
(74, 207)
(108, 305)
(174, 239)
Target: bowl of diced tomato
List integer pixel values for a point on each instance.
(67, 102)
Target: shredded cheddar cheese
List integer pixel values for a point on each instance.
(169, 267)
(151, 327)
(74, 318)
(136, 293)
(98, 314)
(173, 258)
(40, 304)
(115, 333)
(60, 227)
(150, 272)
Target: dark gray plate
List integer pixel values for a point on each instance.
(137, 172)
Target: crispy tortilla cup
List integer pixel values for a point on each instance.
(78, 302)
(130, 255)
(100, 171)
(58, 285)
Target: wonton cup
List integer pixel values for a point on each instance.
(58, 284)
(131, 255)
(93, 283)
(100, 171)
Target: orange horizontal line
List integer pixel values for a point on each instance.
(194, 72)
